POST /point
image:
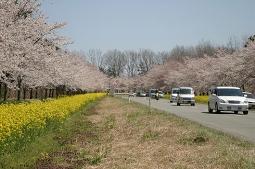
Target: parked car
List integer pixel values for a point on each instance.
(161, 94)
(173, 95)
(227, 99)
(142, 94)
(185, 95)
(251, 99)
(131, 94)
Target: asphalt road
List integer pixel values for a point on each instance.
(239, 125)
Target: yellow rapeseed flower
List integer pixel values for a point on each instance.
(21, 121)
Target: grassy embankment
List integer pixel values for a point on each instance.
(113, 133)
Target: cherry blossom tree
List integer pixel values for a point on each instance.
(31, 55)
(221, 69)
(245, 70)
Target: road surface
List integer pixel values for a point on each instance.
(239, 125)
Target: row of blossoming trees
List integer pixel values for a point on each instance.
(220, 69)
(32, 56)
(33, 62)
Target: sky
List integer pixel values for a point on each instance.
(158, 25)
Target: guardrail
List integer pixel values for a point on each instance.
(121, 94)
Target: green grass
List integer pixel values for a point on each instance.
(56, 144)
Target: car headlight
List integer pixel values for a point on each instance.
(246, 101)
(221, 101)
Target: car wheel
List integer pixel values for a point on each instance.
(192, 104)
(235, 112)
(216, 108)
(209, 109)
(245, 112)
(171, 101)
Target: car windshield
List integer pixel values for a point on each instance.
(153, 91)
(249, 95)
(185, 91)
(230, 92)
(175, 91)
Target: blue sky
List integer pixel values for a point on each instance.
(158, 25)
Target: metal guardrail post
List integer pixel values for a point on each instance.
(149, 104)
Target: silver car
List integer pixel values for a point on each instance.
(174, 94)
(227, 99)
(251, 99)
(142, 94)
(161, 94)
(131, 94)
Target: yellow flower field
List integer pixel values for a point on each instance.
(21, 122)
(202, 99)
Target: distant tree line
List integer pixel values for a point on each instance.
(202, 73)
(131, 63)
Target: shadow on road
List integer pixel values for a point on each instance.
(221, 113)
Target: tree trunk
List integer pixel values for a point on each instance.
(19, 86)
(41, 93)
(36, 94)
(57, 92)
(46, 91)
(5, 92)
(243, 87)
(52, 93)
(24, 93)
(19, 92)
(31, 93)
(0, 90)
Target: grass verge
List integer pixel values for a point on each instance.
(113, 133)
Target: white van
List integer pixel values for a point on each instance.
(173, 95)
(186, 96)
